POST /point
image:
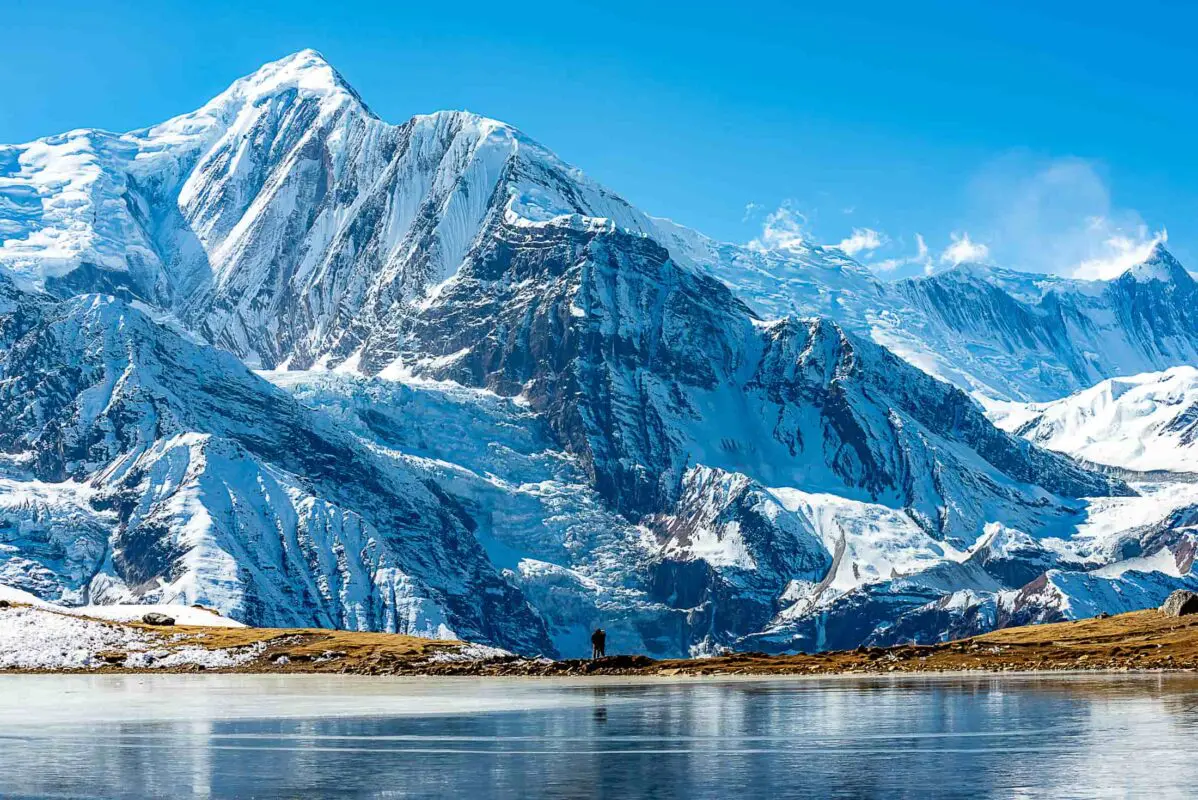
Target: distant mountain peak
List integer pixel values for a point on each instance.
(1160, 265)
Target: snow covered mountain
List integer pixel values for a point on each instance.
(1144, 422)
(994, 332)
(1042, 338)
(1138, 550)
(141, 466)
(283, 221)
(498, 402)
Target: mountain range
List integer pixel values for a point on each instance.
(280, 357)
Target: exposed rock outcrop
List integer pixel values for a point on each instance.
(1181, 603)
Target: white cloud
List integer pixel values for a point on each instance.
(1122, 252)
(863, 239)
(1056, 216)
(920, 257)
(963, 250)
(782, 230)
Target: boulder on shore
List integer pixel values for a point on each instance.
(1181, 603)
(154, 618)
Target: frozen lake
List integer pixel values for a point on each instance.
(315, 736)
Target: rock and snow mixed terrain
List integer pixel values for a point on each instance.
(1003, 334)
(36, 635)
(494, 401)
(209, 485)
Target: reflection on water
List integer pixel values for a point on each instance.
(308, 736)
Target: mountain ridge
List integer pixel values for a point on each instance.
(187, 243)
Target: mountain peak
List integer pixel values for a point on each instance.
(307, 72)
(1160, 265)
(306, 62)
(961, 271)
(308, 55)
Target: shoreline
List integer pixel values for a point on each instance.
(600, 676)
(1141, 642)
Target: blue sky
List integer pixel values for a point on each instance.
(1052, 139)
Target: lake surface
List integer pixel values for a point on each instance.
(336, 736)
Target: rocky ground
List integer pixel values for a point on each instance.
(1142, 640)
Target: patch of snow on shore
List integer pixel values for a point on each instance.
(126, 612)
(469, 652)
(183, 615)
(198, 656)
(31, 638)
(41, 638)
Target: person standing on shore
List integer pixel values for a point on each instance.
(598, 643)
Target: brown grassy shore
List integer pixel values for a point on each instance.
(1142, 640)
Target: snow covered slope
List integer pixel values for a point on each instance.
(1143, 422)
(197, 616)
(1131, 552)
(542, 525)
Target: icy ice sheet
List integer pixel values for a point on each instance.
(43, 700)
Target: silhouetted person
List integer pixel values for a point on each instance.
(598, 643)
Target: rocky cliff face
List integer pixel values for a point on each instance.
(644, 368)
(217, 487)
(506, 405)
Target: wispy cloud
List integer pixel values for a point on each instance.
(920, 258)
(783, 229)
(1122, 252)
(862, 240)
(963, 250)
(1024, 212)
(1057, 216)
